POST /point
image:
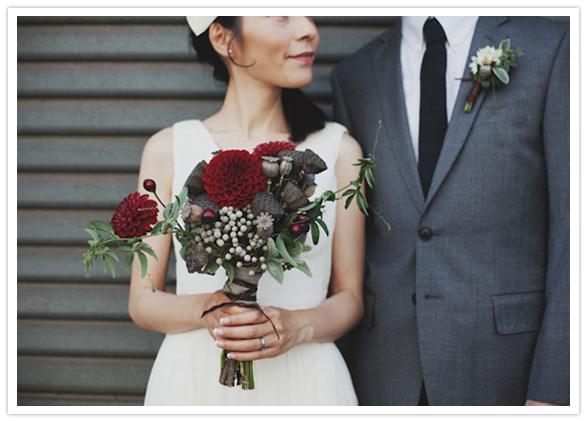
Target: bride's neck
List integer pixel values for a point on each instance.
(253, 109)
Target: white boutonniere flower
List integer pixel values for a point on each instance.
(490, 68)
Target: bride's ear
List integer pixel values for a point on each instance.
(220, 38)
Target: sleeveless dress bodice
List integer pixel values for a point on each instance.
(186, 369)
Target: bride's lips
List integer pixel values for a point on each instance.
(307, 58)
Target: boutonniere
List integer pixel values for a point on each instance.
(490, 68)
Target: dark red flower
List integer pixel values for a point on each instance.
(134, 216)
(272, 148)
(233, 177)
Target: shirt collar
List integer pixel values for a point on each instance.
(456, 29)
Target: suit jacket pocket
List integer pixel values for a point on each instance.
(519, 312)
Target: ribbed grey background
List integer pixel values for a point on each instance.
(91, 90)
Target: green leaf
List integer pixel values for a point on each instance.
(93, 234)
(306, 248)
(309, 206)
(315, 232)
(275, 270)
(348, 201)
(303, 266)
(148, 249)
(329, 196)
(280, 244)
(362, 203)
(501, 74)
(230, 271)
(156, 228)
(369, 177)
(505, 44)
(348, 192)
(129, 259)
(321, 222)
(110, 266)
(101, 226)
(167, 211)
(211, 267)
(143, 263)
(183, 195)
(272, 251)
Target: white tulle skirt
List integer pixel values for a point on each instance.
(187, 367)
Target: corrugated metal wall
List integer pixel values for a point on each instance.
(91, 90)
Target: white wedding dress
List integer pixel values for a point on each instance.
(187, 366)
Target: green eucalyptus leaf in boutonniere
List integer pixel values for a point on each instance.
(490, 68)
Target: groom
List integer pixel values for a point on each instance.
(467, 297)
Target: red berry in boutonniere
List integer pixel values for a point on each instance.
(233, 177)
(134, 216)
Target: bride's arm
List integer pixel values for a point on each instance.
(337, 314)
(162, 311)
(344, 308)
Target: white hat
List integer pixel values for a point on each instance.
(199, 24)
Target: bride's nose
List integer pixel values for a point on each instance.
(305, 28)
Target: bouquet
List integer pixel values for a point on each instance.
(249, 213)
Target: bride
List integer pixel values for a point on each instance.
(264, 60)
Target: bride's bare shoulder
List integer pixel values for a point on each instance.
(157, 159)
(160, 142)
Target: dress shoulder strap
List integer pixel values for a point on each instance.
(189, 147)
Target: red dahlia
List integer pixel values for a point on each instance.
(233, 177)
(134, 216)
(272, 148)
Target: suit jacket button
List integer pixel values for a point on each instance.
(425, 234)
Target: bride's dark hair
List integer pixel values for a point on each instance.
(302, 115)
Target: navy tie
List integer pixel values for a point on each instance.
(433, 118)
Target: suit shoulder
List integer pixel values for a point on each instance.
(538, 26)
(362, 55)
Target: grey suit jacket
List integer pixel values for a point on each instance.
(469, 292)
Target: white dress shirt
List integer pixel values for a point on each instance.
(459, 34)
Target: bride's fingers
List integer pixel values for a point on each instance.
(246, 345)
(243, 331)
(244, 318)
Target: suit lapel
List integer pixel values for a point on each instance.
(388, 79)
(488, 31)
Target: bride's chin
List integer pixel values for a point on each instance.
(300, 82)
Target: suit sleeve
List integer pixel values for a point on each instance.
(549, 375)
(339, 107)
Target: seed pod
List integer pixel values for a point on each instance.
(265, 202)
(309, 179)
(313, 164)
(293, 196)
(286, 165)
(270, 166)
(194, 182)
(264, 225)
(297, 160)
(196, 258)
(310, 190)
(205, 202)
(196, 213)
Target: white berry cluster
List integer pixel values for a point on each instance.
(233, 238)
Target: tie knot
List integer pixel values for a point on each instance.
(433, 32)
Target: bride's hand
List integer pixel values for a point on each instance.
(241, 332)
(212, 319)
